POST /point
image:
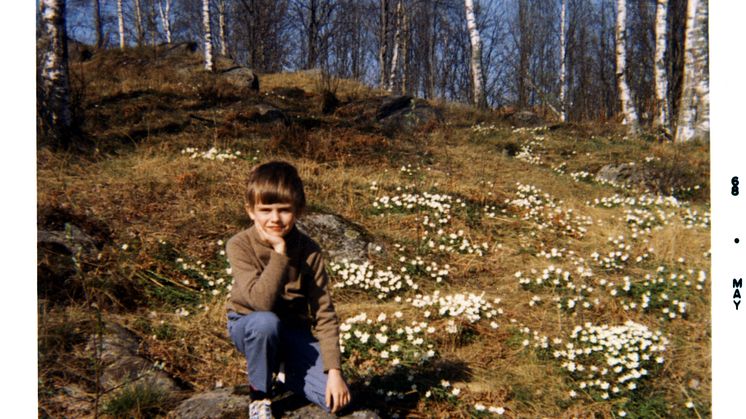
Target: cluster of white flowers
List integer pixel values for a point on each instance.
(568, 294)
(387, 340)
(498, 410)
(581, 176)
(417, 266)
(618, 257)
(455, 243)
(491, 211)
(533, 205)
(364, 276)
(692, 218)
(408, 170)
(470, 307)
(534, 130)
(198, 275)
(553, 253)
(647, 212)
(484, 129)
(609, 361)
(560, 168)
(665, 292)
(528, 155)
(212, 154)
(412, 202)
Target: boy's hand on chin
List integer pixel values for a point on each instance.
(277, 242)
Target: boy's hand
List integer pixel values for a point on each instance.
(277, 242)
(337, 393)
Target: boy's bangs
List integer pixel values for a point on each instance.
(273, 194)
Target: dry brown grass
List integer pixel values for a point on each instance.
(150, 192)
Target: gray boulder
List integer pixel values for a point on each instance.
(59, 253)
(230, 403)
(224, 403)
(242, 77)
(525, 119)
(340, 238)
(403, 113)
(121, 364)
(624, 174)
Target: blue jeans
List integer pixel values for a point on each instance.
(266, 342)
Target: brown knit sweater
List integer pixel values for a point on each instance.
(289, 286)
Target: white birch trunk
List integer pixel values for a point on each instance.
(166, 19)
(138, 23)
(208, 35)
(628, 110)
(120, 18)
(54, 109)
(383, 49)
(694, 107)
(476, 54)
(661, 78)
(221, 26)
(563, 68)
(395, 55)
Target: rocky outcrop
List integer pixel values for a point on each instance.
(628, 174)
(340, 238)
(242, 77)
(233, 402)
(117, 350)
(64, 241)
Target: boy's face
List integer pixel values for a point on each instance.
(274, 219)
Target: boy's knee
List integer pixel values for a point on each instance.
(265, 323)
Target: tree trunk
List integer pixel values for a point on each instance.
(563, 62)
(54, 117)
(524, 53)
(97, 23)
(383, 48)
(138, 24)
(628, 110)
(405, 79)
(694, 110)
(661, 78)
(208, 35)
(165, 19)
(476, 55)
(120, 18)
(395, 54)
(221, 23)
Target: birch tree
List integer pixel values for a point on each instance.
(476, 55)
(661, 80)
(628, 111)
(694, 118)
(55, 119)
(383, 42)
(207, 34)
(395, 53)
(120, 19)
(139, 29)
(563, 70)
(165, 18)
(221, 27)
(98, 25)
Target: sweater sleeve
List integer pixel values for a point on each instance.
(254, 287)
(326, 323)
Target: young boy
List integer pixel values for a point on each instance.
(280, 291)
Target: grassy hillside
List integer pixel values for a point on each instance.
(509, 282)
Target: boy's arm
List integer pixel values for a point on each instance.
(253, 287)
(325, 317)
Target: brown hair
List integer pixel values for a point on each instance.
(275, 182)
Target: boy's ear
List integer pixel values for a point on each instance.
(249, 210)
